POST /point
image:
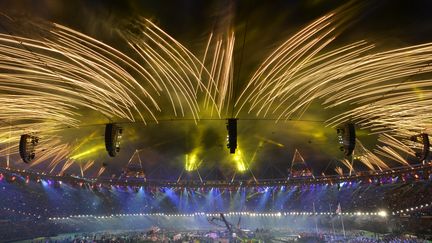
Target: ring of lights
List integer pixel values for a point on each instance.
(401, 174)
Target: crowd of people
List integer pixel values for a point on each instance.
(387, 239)
(408, 195)
(142, 236)
(223, 236)
(26, 211)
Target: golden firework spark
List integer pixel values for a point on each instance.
(53, 71)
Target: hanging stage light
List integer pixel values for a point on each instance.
(232, 134)
(27, 147)
(113, 134)
(347, 138)
(424, 139)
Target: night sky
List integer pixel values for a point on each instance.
(260, 27)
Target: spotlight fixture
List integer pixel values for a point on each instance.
(347, 138)
(113, 134)
(27, 147)
(232, 134)
(424, 139)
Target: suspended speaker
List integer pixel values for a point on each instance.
(27, 147)
(232, 134)
(424, 139)
(113, 134)
(347, 138)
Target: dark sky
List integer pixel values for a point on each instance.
(388, 24)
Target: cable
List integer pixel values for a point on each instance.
(240, 65)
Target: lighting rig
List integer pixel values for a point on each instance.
(421, 172)
(211, 215)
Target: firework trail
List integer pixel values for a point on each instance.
(384, 92)
(171, 67)
(295, 62)
(51, 72)
(379, 89)
(221, 71)
(339, 171)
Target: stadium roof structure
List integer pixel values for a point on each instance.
(292, 74)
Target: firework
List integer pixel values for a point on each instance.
(50, 72)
